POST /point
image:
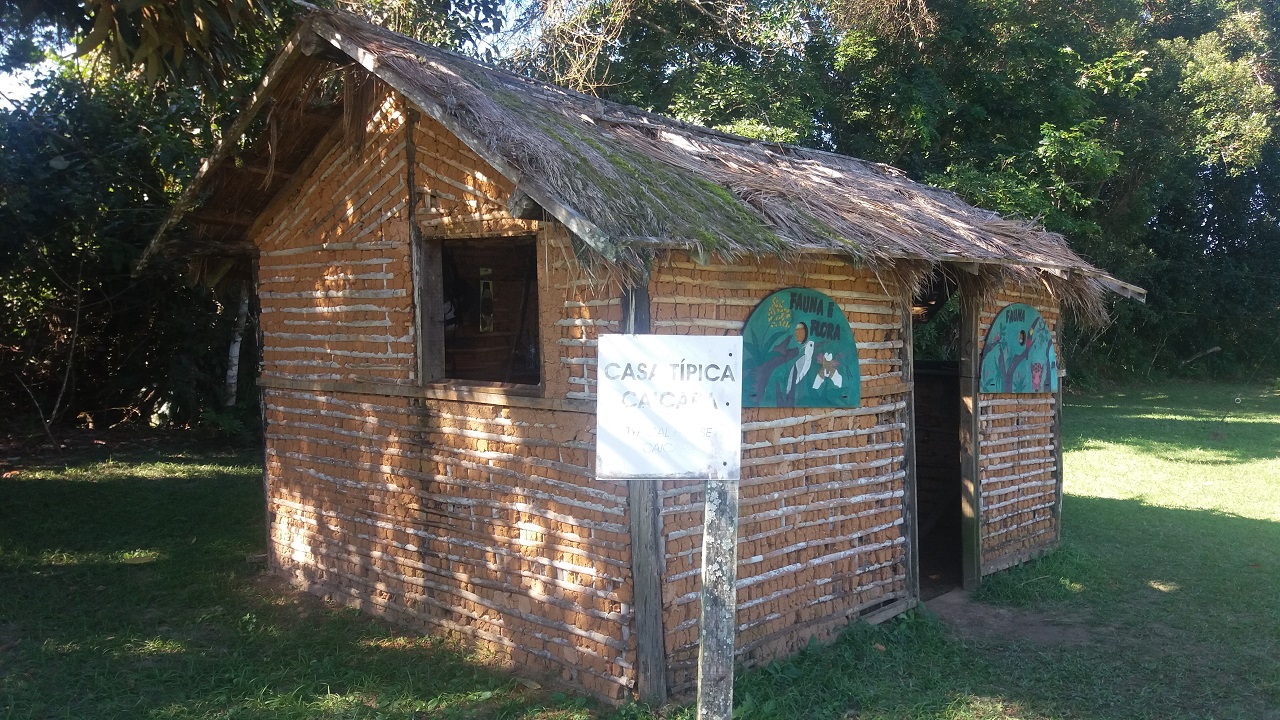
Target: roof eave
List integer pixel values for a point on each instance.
(972, 264)
(292, 50)
(1118, 286)
(318, 30)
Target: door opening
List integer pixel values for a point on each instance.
(935, 348)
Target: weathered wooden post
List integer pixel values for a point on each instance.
(719, 598)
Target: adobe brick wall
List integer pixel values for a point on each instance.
(480, 519)
(1020, 461)
(479, 515)
(822, 535)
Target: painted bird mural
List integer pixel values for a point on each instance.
(787, 393)
(800, 368)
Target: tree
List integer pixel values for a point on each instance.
(210, 42)
(86, 170)
(183, 39)
(1117, 122)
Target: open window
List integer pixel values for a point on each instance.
(489, 309)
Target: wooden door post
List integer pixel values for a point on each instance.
(970, 478)
(648, 552)
(911, 500)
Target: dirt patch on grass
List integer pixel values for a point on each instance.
(980, 621)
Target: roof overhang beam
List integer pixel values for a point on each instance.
(289, 54)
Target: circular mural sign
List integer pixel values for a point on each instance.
(798, 351)
(1018, 356)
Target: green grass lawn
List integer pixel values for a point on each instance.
(129, 588)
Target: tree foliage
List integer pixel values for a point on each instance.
(87, 170)
(185, 40)
(211, 42)
(450, 23)
(1144, 131)
(89, 167)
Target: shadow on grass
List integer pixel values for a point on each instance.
(1122, 552)
(1180, 608)
(131, 597)
(125, 593)
(1183, 606)
(1195, 441)
(1188, 398)
(1197, 424)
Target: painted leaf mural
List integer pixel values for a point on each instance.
(798, 351)
(1018, 356)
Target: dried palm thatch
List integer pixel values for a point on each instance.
(627, 182)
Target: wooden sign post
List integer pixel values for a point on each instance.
(669, 407)
(718, 623)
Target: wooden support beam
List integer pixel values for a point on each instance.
(323, 114)
(1120, 287)
(267, 511)
(635, 309)
(648, 566)
(313, 45)
(428, 272)
(523, 207)
(648, 551)
(218, 246)
(209, 218)
(484, 395)
(910, 505)
(260, 170)
(970, 480)
(1057, 439)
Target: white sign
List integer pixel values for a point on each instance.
(668, 406)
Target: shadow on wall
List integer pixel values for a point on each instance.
(464, 519)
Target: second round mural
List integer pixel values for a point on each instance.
(1018, 355)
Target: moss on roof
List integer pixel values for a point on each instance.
(639, 179)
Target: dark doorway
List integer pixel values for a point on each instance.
(938, 500)
(935, 333)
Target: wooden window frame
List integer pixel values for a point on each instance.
(428, 278)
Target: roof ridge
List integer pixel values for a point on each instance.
(612, 172)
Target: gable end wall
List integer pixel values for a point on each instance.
(475, 519)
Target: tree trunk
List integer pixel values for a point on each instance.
(233, 354)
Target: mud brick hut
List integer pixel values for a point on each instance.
(438, 245)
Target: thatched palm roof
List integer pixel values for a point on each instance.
(624, 180)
